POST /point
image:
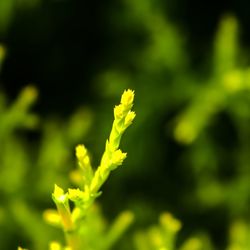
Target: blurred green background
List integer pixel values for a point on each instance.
(189, 148)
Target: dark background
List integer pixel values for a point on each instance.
(61, 45)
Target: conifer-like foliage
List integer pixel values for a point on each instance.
(188, 150)
(77, 223)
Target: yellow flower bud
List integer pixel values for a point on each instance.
(129, 118)
(81, 152)
(55, 246)
(76, 194)
(58, 191)
(59, 195)
(118, 157)
(118, 112)
(84, 163)
(127, 97)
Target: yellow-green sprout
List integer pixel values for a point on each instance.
(72, 220)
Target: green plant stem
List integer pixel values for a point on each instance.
(72, 238)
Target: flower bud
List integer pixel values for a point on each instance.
(127, 97)
(55, 246)
(81, 152)
(76, 194)
(129, 118)
(118, 112)
(59, 195)
(118, 157)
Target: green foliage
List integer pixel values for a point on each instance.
(84, 229)
(189, 147)
(159, 237)
(228, 79)
(239, 236)
(28, 173)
